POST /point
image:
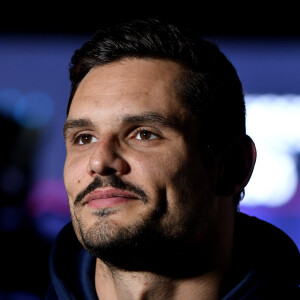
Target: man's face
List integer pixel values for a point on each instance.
(133, 164)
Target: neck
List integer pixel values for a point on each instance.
(121, 285)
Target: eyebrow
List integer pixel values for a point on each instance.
(152, 118)
(76, 123)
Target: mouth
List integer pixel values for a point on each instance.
(108, 197)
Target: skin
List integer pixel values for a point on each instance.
(137, 129)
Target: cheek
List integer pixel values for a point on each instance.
(74, 176)
(158, 171)
(186, 181)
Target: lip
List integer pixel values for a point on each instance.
(108, 197)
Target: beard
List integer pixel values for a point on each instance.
(149, 244)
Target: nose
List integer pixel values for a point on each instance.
(105, 160)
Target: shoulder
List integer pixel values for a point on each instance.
(266, 261)
(264, 236)
(267, 249)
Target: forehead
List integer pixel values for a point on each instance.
(129, 85)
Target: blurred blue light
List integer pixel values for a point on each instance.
(8, 101)
(34, 110)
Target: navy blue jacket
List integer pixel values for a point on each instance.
(266, 265)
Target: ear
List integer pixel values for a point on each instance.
(236, 166)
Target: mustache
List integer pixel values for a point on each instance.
(113, 181)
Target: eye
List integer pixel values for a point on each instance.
(84, 139)
(146, 135)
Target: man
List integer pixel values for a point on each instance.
(157, 161)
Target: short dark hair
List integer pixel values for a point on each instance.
(208, 83)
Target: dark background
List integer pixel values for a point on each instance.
(244, 18)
